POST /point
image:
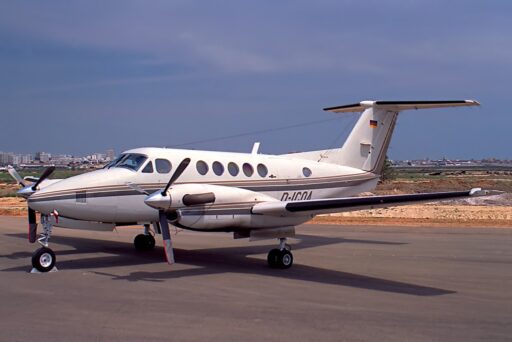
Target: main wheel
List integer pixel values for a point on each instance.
(144, 242)
(285, 259)
(43, 259)
(273, 258)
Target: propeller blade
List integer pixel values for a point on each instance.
(49, 170)
(32, 225)
(137, 188)
(179, 170)
(14, 174)
(166, 236)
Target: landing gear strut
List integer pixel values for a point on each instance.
(44, 258)
(280, 257)
(144, 242)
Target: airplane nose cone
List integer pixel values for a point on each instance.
(158, 201)
(26, 191)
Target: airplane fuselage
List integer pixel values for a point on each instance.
(104, 195)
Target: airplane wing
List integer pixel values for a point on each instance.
(333, 205)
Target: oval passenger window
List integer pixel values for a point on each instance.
(262, 170)
(218, 168)
(248, 170)
(202, 167)
(233, 169)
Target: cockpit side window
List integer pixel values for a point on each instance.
(162, 166)
(148, 168)
(132, 161)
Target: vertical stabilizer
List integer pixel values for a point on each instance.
(367, 144)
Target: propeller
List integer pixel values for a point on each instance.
(26, 192)
(49, 170)
(166, 236)
(32, 225)
(162, 217)
(179, 170)
(136, 188)
(16, 176)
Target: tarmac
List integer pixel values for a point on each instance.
(348, 283)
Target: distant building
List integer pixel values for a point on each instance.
(43, 157)
(6, 158)
(16, 159)
(27, 158)
(110, 155)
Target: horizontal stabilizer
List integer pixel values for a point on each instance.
(398, 106)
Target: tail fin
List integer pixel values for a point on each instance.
(367, 144)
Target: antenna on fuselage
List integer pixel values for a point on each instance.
(255, 148)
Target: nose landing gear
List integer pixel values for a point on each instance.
(280, 257)
(43, 259)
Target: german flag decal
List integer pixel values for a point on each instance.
(374, 123)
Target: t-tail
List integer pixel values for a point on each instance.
(367, 144)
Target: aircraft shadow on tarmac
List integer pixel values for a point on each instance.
(236, 259)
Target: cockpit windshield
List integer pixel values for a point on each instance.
(114, 162)
(131, 161)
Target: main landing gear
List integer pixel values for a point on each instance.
(43, 259)
(146, 241)
(280, 257)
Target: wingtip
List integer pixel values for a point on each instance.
(479, 192)
(473, 102)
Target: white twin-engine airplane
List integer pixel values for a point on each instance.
(253, 195)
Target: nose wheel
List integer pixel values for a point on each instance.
(43, 259)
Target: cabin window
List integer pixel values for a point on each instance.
(202, 167)
(218, 168)
(148, 168)
(306, 172)
(233, 169)
(132, 161)
(248, 170)
(262, 170)
(162, 165)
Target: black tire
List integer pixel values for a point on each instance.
(43, 259)
(273, 258)
(152, 242)
(144, 242)
(285, 259)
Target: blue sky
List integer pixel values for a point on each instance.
(78, 77)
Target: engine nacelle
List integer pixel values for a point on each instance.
(216, 207)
